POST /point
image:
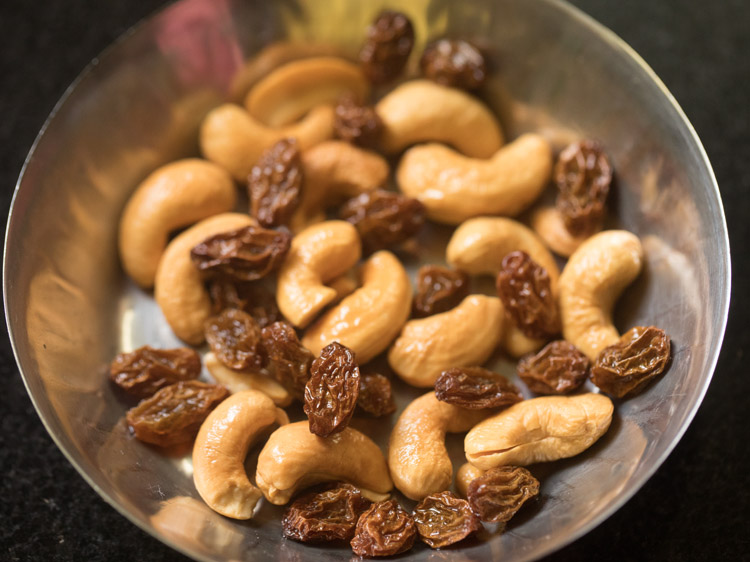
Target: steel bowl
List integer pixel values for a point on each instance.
(70, 309)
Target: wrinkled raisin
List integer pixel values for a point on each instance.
(234, 337)
(356, 123)
(252, 298)
(332, 391)
(387, 46)
(383, 218)
(384, 529)
(288, 361)
(476, 388)
(454, 63)
(144, 371)
(329, 515)
(375, 395)
(625, 368)
(499, 493)
(175, 413)
(439, 289)
(524, 287)
(274, 183)
(559, 368)
(583, 175)
(444, 519)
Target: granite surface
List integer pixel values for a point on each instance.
(696, 505)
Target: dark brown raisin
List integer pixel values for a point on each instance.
(324, 516)
(524, 287)
(375, 395)
(142, 372)
(234, 337)
(583, 175)
(559, 368)
(332, 391)
(252, 298)
(274, 184)
(288, 361)
(625, 368)
(499, 493)
(383, 218)
(476, 388)
(387, 46)
(175, 413)
(439, 289)
(454, 63)
(384, 529)
(444, 519)
(356, 123)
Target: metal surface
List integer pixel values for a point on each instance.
(69, 308)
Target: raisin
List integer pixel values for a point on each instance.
(274, 184)
(583, 175)
(499, 493)
(329, 515)
(476, 388)
(384, 529)
(234, 337)
(388, 43)
(175, 413)
(356, 123)
(444, 519)
(288, 361)
(559, 368)
(375, 395)
(144, 371)
(245, 254)
(524, 287)
(454, 63)
(625, 368)
(332, 391)
(383, 218)
(252, 298)
(439, 289)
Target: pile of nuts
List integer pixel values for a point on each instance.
(273, 294)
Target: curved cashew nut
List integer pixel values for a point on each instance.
(465, 474)
(292, 90)
(454, 188)
(174, 196)
(423, 111)
(293, 458)
(547, 222)
(240, 381)
(515, 342)
(221, 447)
(318, 254)
(591, 281)
(417, 457)
(464, 336)
(231, 138)
(178, 287)
(367, 320)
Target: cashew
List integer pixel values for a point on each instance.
(221, 447)
(515, 342)
(317, 255)
(231, 138)
(421, 110)
(464, 336)
(539, 430)
(367, 320)
(178, 287)
(591, 281)
(240, 381)
(466, 473)
(454, 188)
(174, 196)
(293, 458)
(548, 223)
(344, 285)
(292, 90)
(417, 457)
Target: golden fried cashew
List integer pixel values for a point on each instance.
(455, 188)
(591, 281)
(178, 287)
(240, 381)
(293, 459)
(464, 336)
(318, 254)
(367, 320)
(465, 474)
(539, 430)
(515, 342)
(292, 90)
(423, 111)
(221, 447)
(234, 140)
(417, 457)
(174, 196)
(548, 223)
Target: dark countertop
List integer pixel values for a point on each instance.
(696, 505)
